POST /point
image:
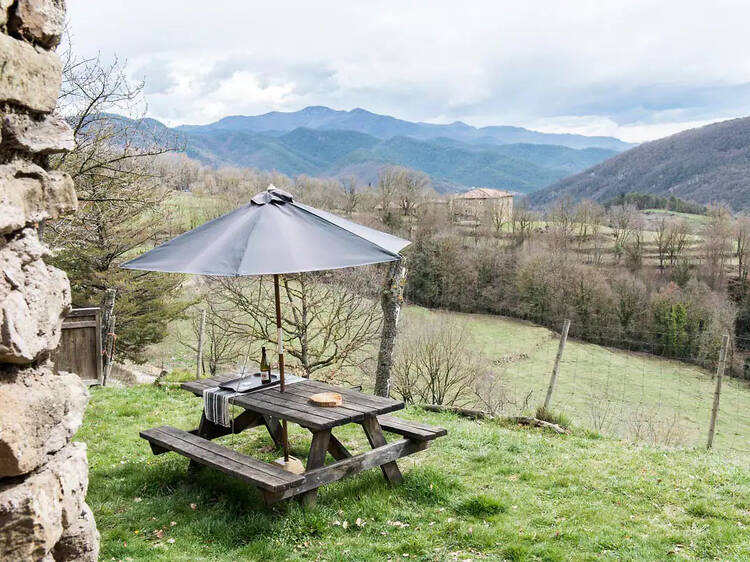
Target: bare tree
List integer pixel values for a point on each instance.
(500, 214)
(120, 195)
(588, 216)
(621, 220)
(327, 324)
(351, 195)
(221, 347)
(433, 365)
(561, 215)
(678, 238)
(716, 245)
(635, 245)
(522, 220)
(742, 245)
(387, 190)
(413, 188)
(662, 237)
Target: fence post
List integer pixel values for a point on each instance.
(111, 342)
(560, 348)
(200, 345)
(717, 389)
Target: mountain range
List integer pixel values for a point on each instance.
(710, 164)
(322, 141)
(385, 127)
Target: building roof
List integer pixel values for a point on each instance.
(485, 193)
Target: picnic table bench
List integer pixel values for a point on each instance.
(267, 406)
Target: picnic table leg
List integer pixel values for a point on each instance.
(316, 459)
(204, 430)
(274, 429)
(337, 449)
(375, 436)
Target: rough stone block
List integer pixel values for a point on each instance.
(34, 511)
(28, 77)
(41, 412)
(47, 135)
(29, 194)
(4, 5)
(34, 298)
(39, 21)
(80, 541)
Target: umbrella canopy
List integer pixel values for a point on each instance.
(272, 234)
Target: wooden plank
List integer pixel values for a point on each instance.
(410, 429)
(196, 387)
(79, 324)
(263, 403)
(206, 452)
(301, 403)
(348, 407)
(185, 440)
(377, 439)
(361, 397)
(377, 403)
(233, 465)
(316, 459)
(351, 466)
(77, 312)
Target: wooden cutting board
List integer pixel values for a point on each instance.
(327, 399)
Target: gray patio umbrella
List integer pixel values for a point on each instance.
(272, 235)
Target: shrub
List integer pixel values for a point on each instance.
(558, 418)
(433, 366)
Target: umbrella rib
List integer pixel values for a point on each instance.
(324, 220)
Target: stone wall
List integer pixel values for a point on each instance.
(43, 475)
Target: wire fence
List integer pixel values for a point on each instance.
(629, 390)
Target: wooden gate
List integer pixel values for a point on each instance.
(80, 349)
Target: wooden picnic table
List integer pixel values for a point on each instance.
(267, 406)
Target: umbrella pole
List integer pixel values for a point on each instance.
(284, 439)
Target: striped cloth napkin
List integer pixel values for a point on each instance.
(216, 405)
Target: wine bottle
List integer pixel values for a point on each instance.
(265, 367)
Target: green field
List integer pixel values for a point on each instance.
(631, 395)
(487, 491)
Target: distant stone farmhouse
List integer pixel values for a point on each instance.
(484, 205)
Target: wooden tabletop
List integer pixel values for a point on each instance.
(294, 405)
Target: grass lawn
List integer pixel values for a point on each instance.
(632, 395)
(487, 491)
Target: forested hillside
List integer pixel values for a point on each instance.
(450, 163)
(706, 165)
(324, 142)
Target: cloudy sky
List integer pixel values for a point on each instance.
(635, 69)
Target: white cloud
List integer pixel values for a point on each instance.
(634, 69)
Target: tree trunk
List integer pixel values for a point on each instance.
(391, 298)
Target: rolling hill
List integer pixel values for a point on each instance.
(704, 165)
